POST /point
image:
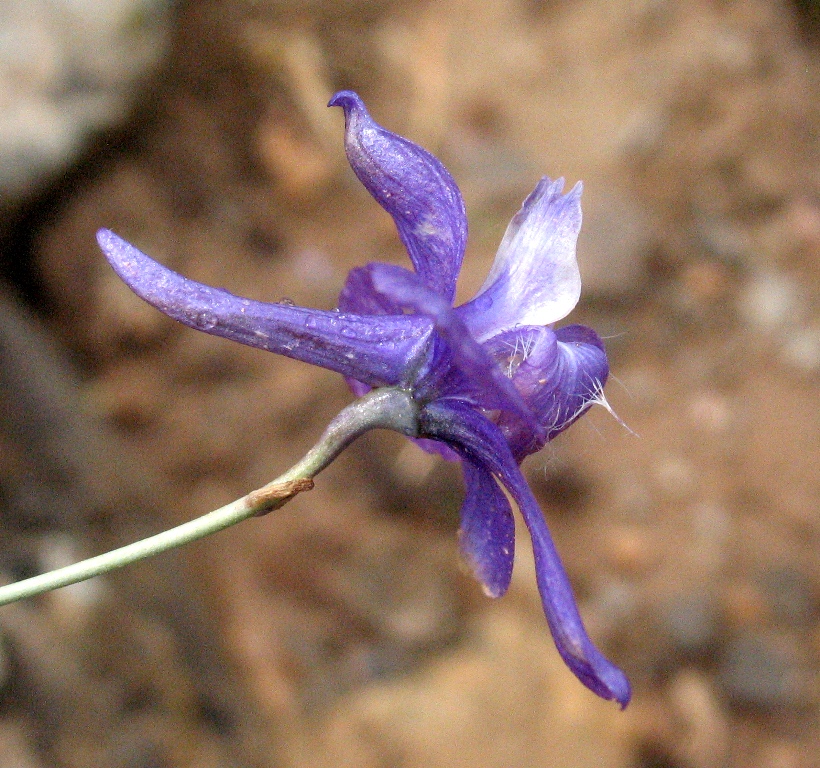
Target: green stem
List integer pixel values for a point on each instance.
(382, 408)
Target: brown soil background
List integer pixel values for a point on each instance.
(342, 631)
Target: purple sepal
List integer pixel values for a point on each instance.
(482, 443)
(487, 532)
(414, 188)
(372, 350)
(534, 279)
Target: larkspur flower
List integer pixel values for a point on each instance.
(491, 379)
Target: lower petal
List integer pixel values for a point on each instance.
(578, 380)
(487, 533)
(482, 443)
(559, 373)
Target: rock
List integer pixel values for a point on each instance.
(769, 301)
(614, 244)
(632, 550)
(691, 622)
(68, 68)
(762, 670)
(790, 595)
(801, 349)
(503, 699)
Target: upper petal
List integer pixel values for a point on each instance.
(481, 442)
(414, 188)
(358, 295)
(373, 350)
(534, 279)
(487, 532)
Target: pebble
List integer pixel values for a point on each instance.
(769, 301)
(801, 349)
(692, 623)
(761, 670)
(632, 550)
(614, 243)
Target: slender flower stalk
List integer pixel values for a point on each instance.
(384, 408)
(486, 383)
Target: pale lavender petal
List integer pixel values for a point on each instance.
(481, 442)
(535, 278)
(414, 188)
(487, 533)
(376, 351)
(406, 290)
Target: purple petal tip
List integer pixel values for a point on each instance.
(105, 238)
(347, 100)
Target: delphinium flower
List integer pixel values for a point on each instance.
(491, 381)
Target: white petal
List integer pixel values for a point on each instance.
(534, 279)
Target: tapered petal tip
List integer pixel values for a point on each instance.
(120, 254)
(347, 100)
(414, 188)
(147, 278)
(603, 678)
(108, 241)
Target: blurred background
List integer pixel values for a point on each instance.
(342, 630)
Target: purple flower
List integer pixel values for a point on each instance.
(492, 380)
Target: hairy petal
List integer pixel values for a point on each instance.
(534, 279)
(560, 374)
(482, 443)
(373, 350)
(530, 357)
(576, 381)
(406, 290)
(487, 533)
(414, 188)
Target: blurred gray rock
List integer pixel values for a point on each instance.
(692, 623)
(791, 596)
(68, 68)
(763, 670)
(615, 242)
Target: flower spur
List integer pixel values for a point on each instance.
(491, 381)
